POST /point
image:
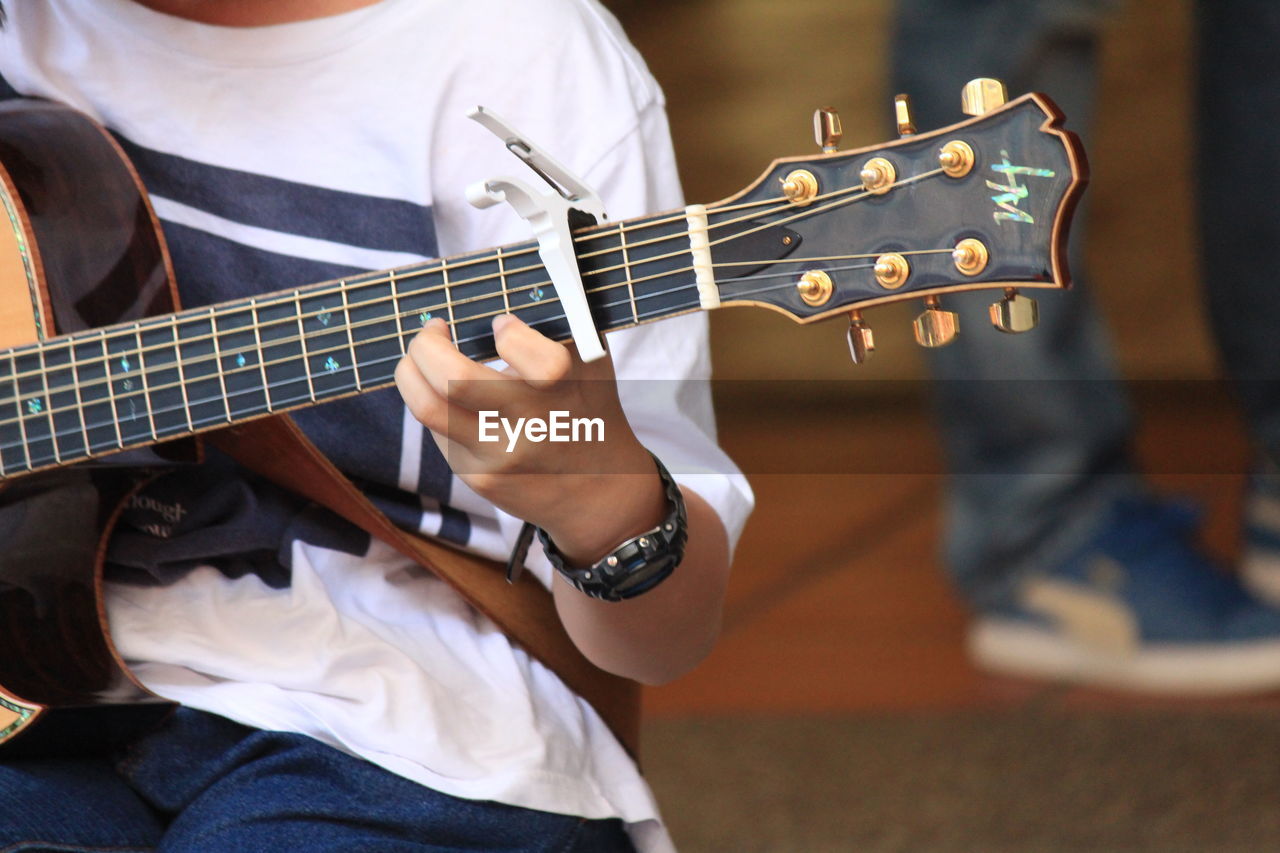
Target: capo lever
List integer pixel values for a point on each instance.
(549, 214)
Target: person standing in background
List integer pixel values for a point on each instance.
(1073, 568)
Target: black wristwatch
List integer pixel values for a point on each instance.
(634, 567)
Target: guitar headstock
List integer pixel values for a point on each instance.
(983, 204)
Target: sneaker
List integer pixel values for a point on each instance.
(1260, 560)
(1140, 609)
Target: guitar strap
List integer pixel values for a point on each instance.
(277, 449)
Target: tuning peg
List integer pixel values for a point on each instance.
(862, 343)
(902, 113)
(982, 95)
(935, 327)
(1015, 313)
(826, 129)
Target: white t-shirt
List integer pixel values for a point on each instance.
(321, 147)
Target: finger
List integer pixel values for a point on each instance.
(535, 358)
(434, 411)
(449, 372)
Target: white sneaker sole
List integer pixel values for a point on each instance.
(1015, 648)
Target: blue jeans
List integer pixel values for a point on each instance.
(204, 784)
(1238, 107)
(1036, 426)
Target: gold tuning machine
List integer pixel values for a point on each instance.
(878, 175)
(800, 187)
(862, 343)
(891, 270)
(815, 287)
(1015, 313)
(936, 327)
(826, 129)
(902, 114)
(982, 95)
(970, 256)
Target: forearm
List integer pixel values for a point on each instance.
(662, 634)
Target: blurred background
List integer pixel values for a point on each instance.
(840, 711)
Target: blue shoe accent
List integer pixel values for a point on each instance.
(1138, 607)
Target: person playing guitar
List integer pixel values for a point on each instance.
(333, 694)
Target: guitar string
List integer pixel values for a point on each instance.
(287, 405)
(180, 365)
(355, 366)
(296, 296)
(82, 429)
(274, 405)
(254, 306)
(135, 329)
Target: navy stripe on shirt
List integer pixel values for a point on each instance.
(369, 222)
(211, 268)
(362, 434)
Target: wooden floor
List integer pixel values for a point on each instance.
(838, 602)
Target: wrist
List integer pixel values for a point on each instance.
(634, 565)
(613, 509)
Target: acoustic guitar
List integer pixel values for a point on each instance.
(99, 365)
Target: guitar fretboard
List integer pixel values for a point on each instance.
(96, 392)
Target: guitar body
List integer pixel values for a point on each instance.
(80, 248)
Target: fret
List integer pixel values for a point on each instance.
(533, 296)
(351, 343)
(257, 342)
(13, 440)
(182, 373)
(283, 357)
(33, 398)
(395, 301)
(502, 275)
(626, 271)
(328, 361)
(236, 343)
(205, 391)
(69, 438)
(375, 332)
(302, 341)
(419, 303)
(448, 300)
(604, 274)
(73, 370)
(478, 296)
(661, 279)
(49, 407)
(105, 359)
(142, 375)
(162, 378)
(125, 383)
(89, 363)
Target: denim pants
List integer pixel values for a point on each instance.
(203, 783)
(1036, 426)
(1238, 109)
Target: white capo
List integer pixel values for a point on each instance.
(548, 213)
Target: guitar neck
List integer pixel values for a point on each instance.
(982, 204)
(90, 393)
